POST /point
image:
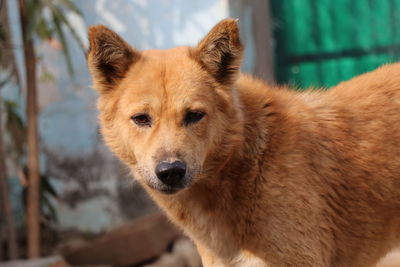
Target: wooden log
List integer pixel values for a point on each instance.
(141, 240)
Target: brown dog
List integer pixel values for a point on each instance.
(255, 175)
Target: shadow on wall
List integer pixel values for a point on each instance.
(93, 185)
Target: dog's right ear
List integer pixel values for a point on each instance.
(109, 57)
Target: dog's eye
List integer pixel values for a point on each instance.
(142, 119)
(193, 117)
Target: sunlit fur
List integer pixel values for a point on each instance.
(275, 177)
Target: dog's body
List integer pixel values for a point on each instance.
(272, 177)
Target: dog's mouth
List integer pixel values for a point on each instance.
(166, 189)
(169, 190)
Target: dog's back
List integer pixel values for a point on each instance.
(332, 168)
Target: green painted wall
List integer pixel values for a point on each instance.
(323, 42)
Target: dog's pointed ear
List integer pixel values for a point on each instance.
(220, 52)
(109, 57)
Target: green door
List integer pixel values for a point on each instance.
(322, 42)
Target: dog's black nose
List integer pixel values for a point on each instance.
(171, 174)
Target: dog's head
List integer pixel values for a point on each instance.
(170, 115)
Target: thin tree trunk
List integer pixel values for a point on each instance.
(1, 243)
(33, 210)
(4, 193)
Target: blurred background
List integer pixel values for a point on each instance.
(64, 197)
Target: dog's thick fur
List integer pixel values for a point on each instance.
(274, 177)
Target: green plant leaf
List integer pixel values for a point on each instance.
(71, 6)
(47, 208)
(57, 20)
(47, 187)
(15, 127)
(72, 31)
(46, 192)
(4, 81)
(43, 30)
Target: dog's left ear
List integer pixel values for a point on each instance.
(220, 52)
